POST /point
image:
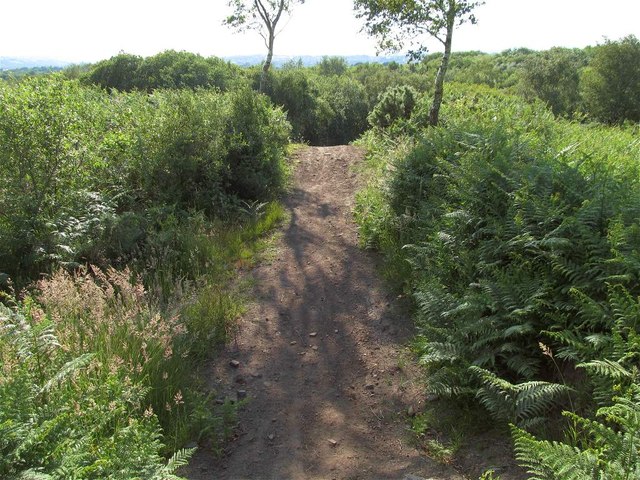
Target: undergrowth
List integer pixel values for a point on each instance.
(516, 235)
(125, 222)
(97, 371)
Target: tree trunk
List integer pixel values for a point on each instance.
(434, 111)
(267, 62)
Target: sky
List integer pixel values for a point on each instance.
(91, 30)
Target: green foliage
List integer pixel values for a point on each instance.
(168, 69)
(70, 415)
(395, 104)
(323, 110)
(554, 77)
(20, 73)
(377, 79)
(609, 447)
(330, 66)
(525, 404)
(258, 136)
(611, 83)
(510, 229)
(342, 112)
(294, 90)
(91, 176)
(50, 152)
(119, 72)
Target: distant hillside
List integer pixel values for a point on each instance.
(16, 63)
(310, 60)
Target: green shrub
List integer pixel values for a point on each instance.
(84, 171)
(553, 76)
(49, 135)
(168, 69)
(322, 109)
(119, 72)
(342, 112)
(397, 103)
(257, 137)
(611, 83)
(503, 222)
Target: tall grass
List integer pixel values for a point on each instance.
(97, 371)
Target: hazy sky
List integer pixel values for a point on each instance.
(89, 30)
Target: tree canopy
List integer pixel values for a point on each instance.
(262, 16)
(399, 23)
(611, 83)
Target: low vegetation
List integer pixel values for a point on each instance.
(133, 190)
(138, 210)
(515, 235)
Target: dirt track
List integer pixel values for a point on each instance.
(320, 351)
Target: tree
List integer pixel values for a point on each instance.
(397, 22)
(554, 77)
(611, 83)
(262, 16)
(119, 72)
(332, 66)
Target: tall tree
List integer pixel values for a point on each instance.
(554, 77)
(262, 16)
(396, 23)
(611, 82)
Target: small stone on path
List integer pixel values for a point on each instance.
(234, 363)
(333, 442)
(313, 334)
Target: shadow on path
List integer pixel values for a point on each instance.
(319, 351)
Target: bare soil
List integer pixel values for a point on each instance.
(322, 352)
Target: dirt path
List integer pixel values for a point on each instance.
(320, 353)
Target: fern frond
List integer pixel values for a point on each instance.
(34, 475)
(535, 399)
(436, 352)
(523, 404)
(552, 460)
(606, 368)
(180, 459)
(67, 369)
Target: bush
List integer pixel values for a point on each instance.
(397, 103)
(611, 83)
(553, 76)
(506, 222)
(50, 132)
(323, 110)
(84, 170)
(168, 69)
(257, 137)
(294, 91)
(342, 113)
(119, 72)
